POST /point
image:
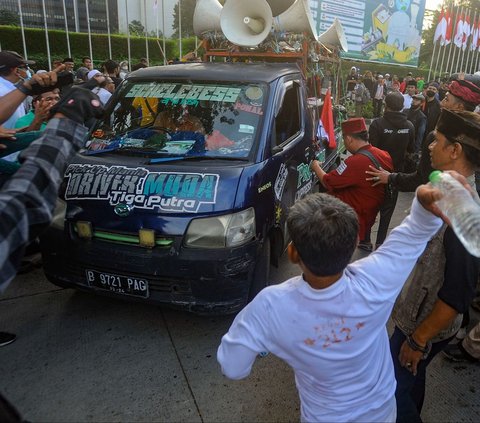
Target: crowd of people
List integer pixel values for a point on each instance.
(329, 324)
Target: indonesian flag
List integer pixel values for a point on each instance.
(441, 30)
(467, 30)
(326, 128)
(474, 40)
(458, 39)
(448, 32)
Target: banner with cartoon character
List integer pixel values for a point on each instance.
(388, 31)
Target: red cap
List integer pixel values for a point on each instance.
(354, 126)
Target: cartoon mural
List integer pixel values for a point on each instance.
(388, 31)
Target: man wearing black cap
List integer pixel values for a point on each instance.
(419, 120)
(13, 69)
(396, 135)
(347, 182)
(428, 312)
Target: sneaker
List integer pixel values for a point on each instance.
(456, 353)
(365, 246)
(6, 338)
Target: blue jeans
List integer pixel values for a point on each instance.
(410, 391)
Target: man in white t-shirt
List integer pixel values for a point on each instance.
(408, 96)
(13, 68)
(329, 324)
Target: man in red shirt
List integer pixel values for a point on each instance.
(347, 181)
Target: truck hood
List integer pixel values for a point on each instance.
(181, 188)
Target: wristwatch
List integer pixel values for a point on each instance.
(22, 88)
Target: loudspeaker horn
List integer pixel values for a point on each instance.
(246, 22)
(334, 36)
(206, 16)
(296, 18)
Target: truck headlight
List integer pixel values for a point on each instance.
(58, 220)
(230, 230)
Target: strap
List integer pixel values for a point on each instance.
(370, 156)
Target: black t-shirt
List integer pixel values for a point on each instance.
(461, 274)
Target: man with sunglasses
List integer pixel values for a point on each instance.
(13, 69)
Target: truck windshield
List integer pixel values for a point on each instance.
(178, 119)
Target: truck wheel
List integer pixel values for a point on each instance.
(262, 271)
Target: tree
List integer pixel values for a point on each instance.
(7, 17)
(187, 7)
(136, 28)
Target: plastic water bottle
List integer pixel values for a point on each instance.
(461, 209)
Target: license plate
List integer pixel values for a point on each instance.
(120, 284)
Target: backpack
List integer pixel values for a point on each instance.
(366, 96)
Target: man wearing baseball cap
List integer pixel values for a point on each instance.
(13, 69)
(348, 183)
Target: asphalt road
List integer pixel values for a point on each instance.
(80, 357)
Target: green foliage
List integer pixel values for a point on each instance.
(368, 110)
(7, 17)
(187, 8)
(11, 39)
(136, 28)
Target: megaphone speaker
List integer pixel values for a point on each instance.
(246, 22)
(334, 36)
(206, 16)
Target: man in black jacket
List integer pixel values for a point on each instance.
(396, 135)
(418, 118)
(432, 106)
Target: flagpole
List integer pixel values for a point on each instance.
(75, 16)
(431, 62)
(128, 37)
(454, 63)
(88, 28)
(146, 30)
(454, 46)
(454, 27)
(467, 66)
(46, 35)
(180, 27)
(22, 29)
(440, 18)
(466, 41)
(108, 30)
(445, 43)
(156, 17)
(163, 33)
(66, 29)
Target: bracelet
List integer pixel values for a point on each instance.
(22, 88)
(416, 347)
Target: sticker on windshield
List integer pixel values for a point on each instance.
(254, 93)
(246, 129)
(249, 108)
(166, 191)
(186, 94)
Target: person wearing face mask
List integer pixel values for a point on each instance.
(13, 69)
(432, 106)
(418, 118)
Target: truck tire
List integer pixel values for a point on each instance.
(261, 272)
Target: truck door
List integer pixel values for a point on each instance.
(290, 145)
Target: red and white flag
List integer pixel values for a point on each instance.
(458, 39)
(449, 29)
(441, 29)
(467, 30)
(474, 40)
